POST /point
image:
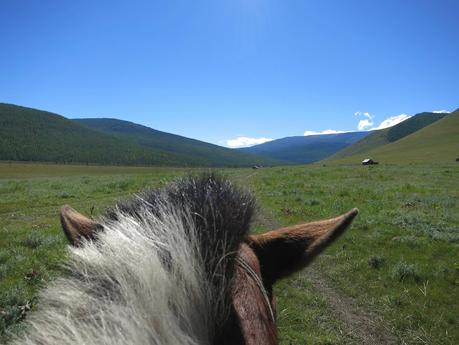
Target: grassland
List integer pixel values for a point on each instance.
(400, 260)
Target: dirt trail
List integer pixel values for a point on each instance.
(359, 324)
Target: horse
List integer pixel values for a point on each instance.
(174, 265)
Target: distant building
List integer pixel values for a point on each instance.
(369, 161)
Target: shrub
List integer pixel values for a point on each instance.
(403, 270)
(14, 308)
(65, 195)
(376, 261)
(33, 240)
(410, 241)
(312, 202)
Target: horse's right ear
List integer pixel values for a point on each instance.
(76, 226)
(284, 251)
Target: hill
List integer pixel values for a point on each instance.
(437, 142)
(189, 151)
(305, 149)
(28, 134)
(385, 136)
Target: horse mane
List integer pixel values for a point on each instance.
(159, 272)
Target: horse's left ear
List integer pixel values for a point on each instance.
(76, 226)
(284, 251)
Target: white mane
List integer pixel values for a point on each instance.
(143, 281)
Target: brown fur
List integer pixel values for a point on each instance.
(250, 303)
(284, 251)
(76, 226)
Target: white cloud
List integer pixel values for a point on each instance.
(327, 131)
(368, 123)
(441, 111)
(246, 142)
(392, 121)
(365, 123)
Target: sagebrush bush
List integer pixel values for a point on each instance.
(33, 240)
(402, 271)
(312, 202)
(410, 241)
(376, 261)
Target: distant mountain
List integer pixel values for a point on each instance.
(436, 142)
(188, 151)
(305, 149)
(28, 134)
(385, 136)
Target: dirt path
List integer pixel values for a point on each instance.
(359, 324)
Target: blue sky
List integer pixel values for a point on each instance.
(219, 70)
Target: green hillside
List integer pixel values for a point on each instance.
(28, 134)
(438, 142)
(189, 151)
(388, 135)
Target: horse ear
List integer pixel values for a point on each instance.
(284, 251)
(76, 226)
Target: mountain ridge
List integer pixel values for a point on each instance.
(385, 136)
(178, 145)
(28, 134)
(305, 149)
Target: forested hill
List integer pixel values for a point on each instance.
(185, 148)
(28, 134)
(33, 135)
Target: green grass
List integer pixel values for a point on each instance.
(399, 260)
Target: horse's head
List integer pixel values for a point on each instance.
(253, 263)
